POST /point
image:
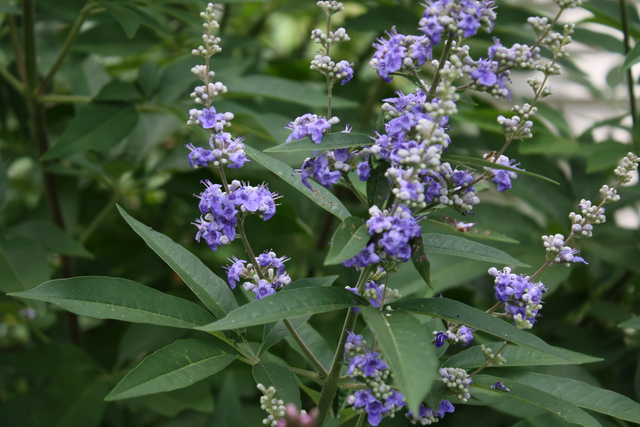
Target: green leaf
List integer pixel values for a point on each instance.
(420, 260)
(330, 141)
(97, 126)
(408, 349)
(175, 366)
(378, 186)
(465, 248)
(582, 394)
(271, 87)
(320, 195)
(118, 91)
(196, 397)
(52, 238)
(120, 299)
(477, 231)
(517, 356)
(565, 410)
(463, 314)
(127, 18)
(285, 382)
(310, 282)
(632, 58)
(348, 240)
(631, 323)
(285, 305)
(209, 288)
(481, 163)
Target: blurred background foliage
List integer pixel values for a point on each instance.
(114, 114)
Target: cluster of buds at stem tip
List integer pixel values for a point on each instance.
(274, 407)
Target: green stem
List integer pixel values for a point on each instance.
(355, 191)
(65, 99)
(312, 358)
(36, 114)
(331, 384)
(488, 362)
(98, 219)
(630, 83)
(361, 419)
(17, 54)
(11, 80)
(436, 76)
(75, 30)
(311, 375)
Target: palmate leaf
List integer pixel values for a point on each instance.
(320, 195)
(175, 366)
(330, 141)
(516, 356)
(348, 240)
(209, 288)
(526, 393)
(465, 248)
(408, 349)
(120, 299)
(458, 312)
(285, 305)
(581, 394)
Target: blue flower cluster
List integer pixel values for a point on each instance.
(399, 53)
(379, 399)
(522, 298)
(376, 292)
(328, 167)
(391, 233)
(502, 178)
(463, 336)
(461, 17)
(312, 125)
(224, 150)
(427, 416)
(220, 210)
(264, 279)
(558, 253)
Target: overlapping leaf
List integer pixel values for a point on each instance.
(465, 248)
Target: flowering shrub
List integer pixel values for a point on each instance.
(408, 347)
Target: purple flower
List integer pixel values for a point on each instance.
(441, 338)
(344, 67)
(464, 335)
(431, 27)
(263, 289)
(445, 406)
(389, 55)
(364, 171)
(499, 385)
(234, 271)
(485, 74)
(312, 125)
(209, 118)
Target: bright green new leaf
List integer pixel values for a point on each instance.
(517, 356)
(526, 393)
(348, 240)
(465, 248)
(330, 141)
(581, 394)
(284, 381)
(320, 195)
(98, 126)
(463, 314)
(408, 349)
(120, 299)
(175, 366)
(285, 305)
(209, 288)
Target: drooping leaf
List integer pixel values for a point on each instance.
(285, 305)
(348, 240)
(461, 313)
(481, 163)
(581, 394)
(320, 195)
(517, 356)
(330, 141)
(632, 58)
(285, 382)
(408, 349)
(420, 260)
(121, 299)
(209, 288)
(98, 126)
(175, 366)
(526, 393)
(465, 248)
(378, 186)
